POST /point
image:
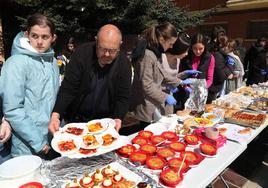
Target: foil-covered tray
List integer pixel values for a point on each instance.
(57, 172)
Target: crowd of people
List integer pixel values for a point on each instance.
(98, 79)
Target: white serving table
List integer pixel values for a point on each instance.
(202, 175)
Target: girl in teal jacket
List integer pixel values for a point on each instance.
(29, 84)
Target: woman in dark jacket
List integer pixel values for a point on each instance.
(222, 72)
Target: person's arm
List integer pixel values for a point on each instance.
(68, 90)
(13, 82)
(210, 72)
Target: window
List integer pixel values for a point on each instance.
(257, 29)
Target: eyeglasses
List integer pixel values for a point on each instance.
(110, 51)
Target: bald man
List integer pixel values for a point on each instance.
(96, 83)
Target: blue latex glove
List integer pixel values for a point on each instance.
(171, 100)
(186, 82)
(188, 89)
(230, 60)
(172, 89)
(263, 72)
(191, 72)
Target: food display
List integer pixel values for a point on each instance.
(259, 104)
(245, 118)
(79, 140)
(111, 176)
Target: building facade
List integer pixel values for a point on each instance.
(247, 19)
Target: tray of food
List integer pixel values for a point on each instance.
(259, 104)
(112, 175)
(79, 140)
(245, 118)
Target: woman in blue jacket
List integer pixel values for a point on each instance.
(29, 84)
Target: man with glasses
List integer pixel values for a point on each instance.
(97, 82)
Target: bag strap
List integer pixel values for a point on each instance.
(24, 142)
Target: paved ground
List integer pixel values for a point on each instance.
(253, 163)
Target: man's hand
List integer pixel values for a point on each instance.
(45, 149)
(5, 131)
(54, 123)
(118, 124)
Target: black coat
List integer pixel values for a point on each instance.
(255, 62)
(79, 77)
(221, 72)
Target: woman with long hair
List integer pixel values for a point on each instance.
(149, 100)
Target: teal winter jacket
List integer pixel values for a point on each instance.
(29, 84)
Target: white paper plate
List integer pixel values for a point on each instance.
(104, 123)
(156, 128)
(77, 125)
(215, 120)
(65, 137)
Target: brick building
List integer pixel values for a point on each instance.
(247, 19)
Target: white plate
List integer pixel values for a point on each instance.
(215, 120)
(65, 137)
(77, 125)
(109, 122)
(20, 166)
(104, 125)
(156, 128)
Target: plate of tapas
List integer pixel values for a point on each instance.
(97, 126)
(66, 144)
(76, 129)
